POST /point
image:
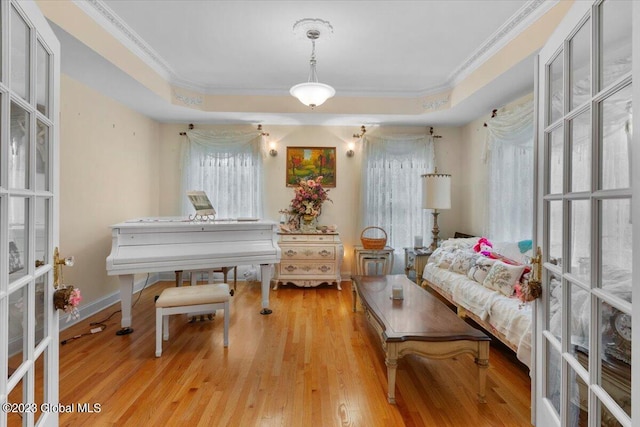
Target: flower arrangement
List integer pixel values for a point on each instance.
(67, 298)
(308, 200)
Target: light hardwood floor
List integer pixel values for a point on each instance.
(313, 362)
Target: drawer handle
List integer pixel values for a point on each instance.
(306, 268)
(290, 268)
(291, 252)
(324, 252)
(324, 268)
(308, 252)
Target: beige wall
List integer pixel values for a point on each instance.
(108, 173)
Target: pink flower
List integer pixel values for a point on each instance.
(75, 298)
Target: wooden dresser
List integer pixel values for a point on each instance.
(309, 260)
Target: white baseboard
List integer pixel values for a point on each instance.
(106, 301)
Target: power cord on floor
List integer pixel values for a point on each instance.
(101, 325)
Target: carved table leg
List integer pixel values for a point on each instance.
(483, 363)
(391, 360)
(355, 295)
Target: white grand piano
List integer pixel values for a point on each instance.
(151, 245)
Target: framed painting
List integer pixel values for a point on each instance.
(310, 163)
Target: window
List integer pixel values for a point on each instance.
(228, 167)
(510, 158)
(392, 188)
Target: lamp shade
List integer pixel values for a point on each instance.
(436, 191)
(312, 94)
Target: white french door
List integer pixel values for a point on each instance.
(584, 218)
(29, 94)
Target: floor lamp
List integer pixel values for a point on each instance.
(436, 194)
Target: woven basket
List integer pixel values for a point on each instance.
(373, 243)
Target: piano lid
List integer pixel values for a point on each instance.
(154, 245)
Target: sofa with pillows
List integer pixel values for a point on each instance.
(482, 283)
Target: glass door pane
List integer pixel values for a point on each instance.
(581, 152)
(556, 90)
(615, 356)
(556, 161)
(19, 55)
(580, 66)
(580, 243)
(616, 238)
(615, 113)
(42, 156)
(18, 147)
(42, 83)
(18, 238)
(615, 33)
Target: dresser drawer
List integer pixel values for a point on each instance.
(309, 238)
(306, 268)
(308, 252)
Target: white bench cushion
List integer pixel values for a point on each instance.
(193, 295)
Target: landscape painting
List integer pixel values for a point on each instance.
(309, 163)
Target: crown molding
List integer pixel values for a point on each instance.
(116, 27)
(527, 15)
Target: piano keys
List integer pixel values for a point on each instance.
(152, 245)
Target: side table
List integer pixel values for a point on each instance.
(415, 259)
(382, 258)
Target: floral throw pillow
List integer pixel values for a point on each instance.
(463, 261)
(446, 259)
(435, 256)
(502, 277)
(479, 270)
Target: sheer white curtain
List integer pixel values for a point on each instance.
(392, 188)
(228, 167)
(509, 152)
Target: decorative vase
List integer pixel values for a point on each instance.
(308, 223)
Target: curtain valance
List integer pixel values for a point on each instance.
(412, 149)
(511, 126)
(226, 143)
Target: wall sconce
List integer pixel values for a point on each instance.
(350, 151)
(357, 136)
(272, 149)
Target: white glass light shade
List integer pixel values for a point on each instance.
(312, 94)
(436, 191)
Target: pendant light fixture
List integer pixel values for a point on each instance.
(312, 93)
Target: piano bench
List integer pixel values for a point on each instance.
(190, 299)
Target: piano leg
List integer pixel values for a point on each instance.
(265, 276)
(126, 293)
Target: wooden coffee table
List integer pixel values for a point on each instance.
(419, 324)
